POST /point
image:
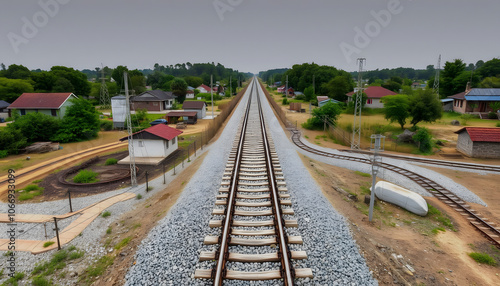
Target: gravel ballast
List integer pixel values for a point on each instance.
(170, 253)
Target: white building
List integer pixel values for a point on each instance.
(153, 144)
(119, 110)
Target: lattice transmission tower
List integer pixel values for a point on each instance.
(356, 127)
(436, 78)
(105, 100)
(133, 175)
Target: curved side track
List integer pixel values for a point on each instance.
(480, 223)
(253, 192)
(490, 168)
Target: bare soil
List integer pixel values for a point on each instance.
(438, 259)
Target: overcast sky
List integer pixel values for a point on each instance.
(248, 35)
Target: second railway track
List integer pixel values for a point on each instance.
(253, 202)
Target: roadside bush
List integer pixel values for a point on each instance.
(12, 140)
(81, 122)
(424, 140)
(111, 161)
(300, 97)
(106, 125)
(85, 177)
(498, 124)
(492, 115)
(3, 153)
(37, 126)
(284, 101)
(464, 118)
(483, 258)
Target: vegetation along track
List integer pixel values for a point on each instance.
(480, 223)
(254, 200)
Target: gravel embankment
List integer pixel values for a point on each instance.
(169, 255)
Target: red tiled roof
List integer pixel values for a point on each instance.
(40, 100)
(375, 92)
(160, 130)
(207, 88)
(482, 134)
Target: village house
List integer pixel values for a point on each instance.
(4, 112)
(374, 95)
(152, 145)
(479, 142)
(54, 104)
(199, 106)
(152, 100)
(204, 89)
(476, 101)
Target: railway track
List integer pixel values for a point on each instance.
(490, 168)
(483, 225)
(252, 203)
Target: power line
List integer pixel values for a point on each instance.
(356, 127)
(436, 78)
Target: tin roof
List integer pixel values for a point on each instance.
(482, 134)
(181, 113)
(153, 95)
(483, 98)
(484, 92)
(189, 104)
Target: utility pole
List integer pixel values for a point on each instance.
(104, 94)
(230, 87)
(356, 127)
(314, 87)
(133, 174)
(286, 88)
(377, 145)
(436, 78)
(212, 93)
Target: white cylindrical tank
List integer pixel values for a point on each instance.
(402, 197)
(119, 110)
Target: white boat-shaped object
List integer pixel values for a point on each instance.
(402, 197)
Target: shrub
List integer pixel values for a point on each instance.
(41, 281)
(106, 214)
(3, 153)
(123, 243)
(139, 196)
(465, 118)
(284, 101)
(492, 115)
(85, 177)
(106, 125)
(48, 243)
(483, 258)
(498, 124)
(111, 161)
(76, 254)
(300, 97)
(423, 139)
(30, 188)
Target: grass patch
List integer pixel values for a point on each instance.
(150, 188)
(76, 254)
(98, 268)
(123, 243)
(41, 281)
(139, 196)
(48, 243)
(15, 166)
(438, 229)
(109, 230)
(36, 181)
(106, 214)
(13, 280)
(362, 174)
(111, 161)
(85, 177)
(30, 192)
(137, 225)
(483, 258)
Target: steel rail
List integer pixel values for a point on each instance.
(225, 235)
(284, 252)
(491, 168)
(422, 181)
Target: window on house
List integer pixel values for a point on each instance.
(461, 103)
(369, 101)
(53, 112)
(155, 103)
(23, 111)
(141, 143)
(173, 141)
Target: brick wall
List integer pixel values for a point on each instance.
(464, 143)
(486, 150)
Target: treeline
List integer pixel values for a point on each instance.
(18, 79)
(335, 83)
(272, 76)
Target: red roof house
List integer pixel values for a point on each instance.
(479, 142)
(54, 104)
(204, 88)
(153, 144)
(374, 94)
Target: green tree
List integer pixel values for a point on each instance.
(450, 72)
(179, 88)
(459, 83)
(12, 140)
(43, 81)
(424, 106)
(424, 139)
(76, 78)
(81, 122)
(193, 81)
(396, 108)
(11, 89)
(117, 75)
(36, 126)
(329, 111)
(490, 82)
(490, 68)
(63, 85)
(309, 93)
(17, 72)
(338, 87)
